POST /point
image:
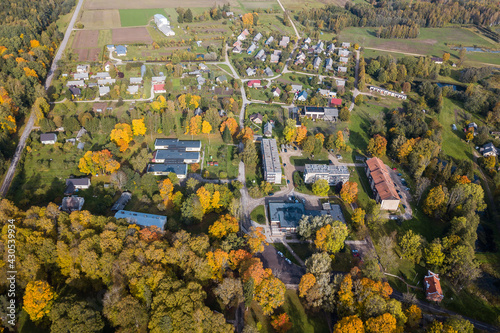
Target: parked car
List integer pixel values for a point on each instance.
(407, 188)
(400, 196)
(404, 206)
(339, 157)
(279, 252)
(271, 194)
(355, 253)
(288, 261)
(288, 181)
(286, 151)
(399, 174)
(294, 148)
(394, 168)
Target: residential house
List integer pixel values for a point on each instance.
(432, 285)
(142, 219)
(333, 174)
(437, 60)
(471, 127)
(386, 92)
(82, 68)
(300, 59)
(284, 41)
(243, 35)
(271, 161)
(162, 169)
(330, 48)
(101, 76)
(269, 40)
(320, 47)
(221, 79)
(99, 107)
(251, 49)
(343, 53)
(329, 64)
(229, 14)
(158, 80)
(261, 55)
(175, 157)
(268, 71)
(237, 43)
(195, 72)
(122, 201)
(75, 91)
(321, 113)
(495, 134)
(104, 82)
(256, 118)
(344, 60)
(302, 96)
(346, 45)
(72, 204)
(268, 130)
(316, 62)
(253, 84)
(76, 83)
(327, 93)
(257, 37)
(276, 92)
(382, 184)
(108, 65)
(110, 47)
(132, 90)
(237, 49)
(81, 76)
(341, 69)
(121, 50)
(488, 150)
(73, 184)
(251, 71)
(104, 90)
(340, 83)
(336, 102)
(275, 57)
(48, 138)
(201, 80)
(307, 40)
(203, 67)
(159, 88)
(296, 88)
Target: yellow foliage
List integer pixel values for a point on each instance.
(138, 127)
(34, 43)
(19, 60)
(37, 299)
(30, 72)
(306, 282)
(121, 135)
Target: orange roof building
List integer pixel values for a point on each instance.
(382, 184)
(433, 291)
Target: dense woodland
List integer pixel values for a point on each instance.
(403, 13)
(28, 40)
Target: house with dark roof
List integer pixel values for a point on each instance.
(432, 285)
(163, 169)
(122, 201)
(256, 118)
(382, 184)
(73, 184)
(75, 91)
(178, 145)
(302, 96)
(48, 138)
(268, 130)
(72, 204)
(437, 60)
(323, 113)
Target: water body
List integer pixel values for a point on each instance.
(454, 87)
(477, 49)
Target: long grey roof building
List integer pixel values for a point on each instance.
(271, 161)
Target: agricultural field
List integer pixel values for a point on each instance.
(128, 4)
(138, 17)
(431, 41)
(246, 6)
(131, 35)
(306, 4)
(85, 44)
(100, 19)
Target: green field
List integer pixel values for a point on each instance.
(431, 41)
(137, 17)
(454, 143)
(258, 214)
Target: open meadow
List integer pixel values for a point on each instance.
(138, 17)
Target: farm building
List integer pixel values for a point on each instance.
(163, 25)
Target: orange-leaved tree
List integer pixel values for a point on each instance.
(377, 145)
(138, 127)
(225, 225)
(218, 261)
(301, 134)
(383, 323)
(246, 134)
(350, 324)
(349, 192)
(281, 323)
(94, 162)
(256, 239)
(307, 281)
(121, 135)
(194, 127)
(205, 199)
(236, 257)
(38, 298)
(252, 268)
(231, 124)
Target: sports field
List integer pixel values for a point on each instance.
(138, 17)
(431, 41)
(100, 19)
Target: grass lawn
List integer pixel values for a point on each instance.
(303, 322)
(137, 17)
(358, 175)
(431, 41)
(258, 214)
(300, 186)
(221, 153)
(303, 250)
(454, 143)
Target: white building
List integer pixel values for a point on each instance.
(333, 174)
(163, 25)
(271, 161)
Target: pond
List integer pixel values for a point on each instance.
(477, 49)
(454, 87)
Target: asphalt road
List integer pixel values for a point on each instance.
(31, 121)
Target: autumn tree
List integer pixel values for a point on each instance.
(301, 134)
(138, 127)
(98, 162)
(446, 57)
(281, 323)
(206, 128)
(246, 134)
(231, 124)
(38, 298)
(414, 315)
(345, 296)
(205, 199)
(256, 239)
(358, 217)
(194, 127)
(350, 324)
(321, 187)
(384, 323)
(410, 244)
(247, 20)
(270, 294)
(226, 224)
(121, 135)
(290, 130)
(377, 146)
(349, 192)
(433, 253)
(230, 291)
(218, 262)
(40, 108)
(307, 281)
(331, 237)
(236, 257)
(166, 191)
(435, 201)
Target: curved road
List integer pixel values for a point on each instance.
(31, 121)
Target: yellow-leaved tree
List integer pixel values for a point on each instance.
(38, 299)
(225, 225)
(138, 127)
(98, 162)
(121, 135)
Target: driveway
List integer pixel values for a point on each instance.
(288, 273)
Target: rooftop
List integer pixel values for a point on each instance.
(270, 156)
(174, 143)
(142, 219)
(175, 156)
(122, 201)
(177, 168)
(287, 214)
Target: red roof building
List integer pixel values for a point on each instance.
(336, 102)
(433, 291)
(159, 88)
(253, 83)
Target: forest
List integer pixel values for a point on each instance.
(392, 13)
